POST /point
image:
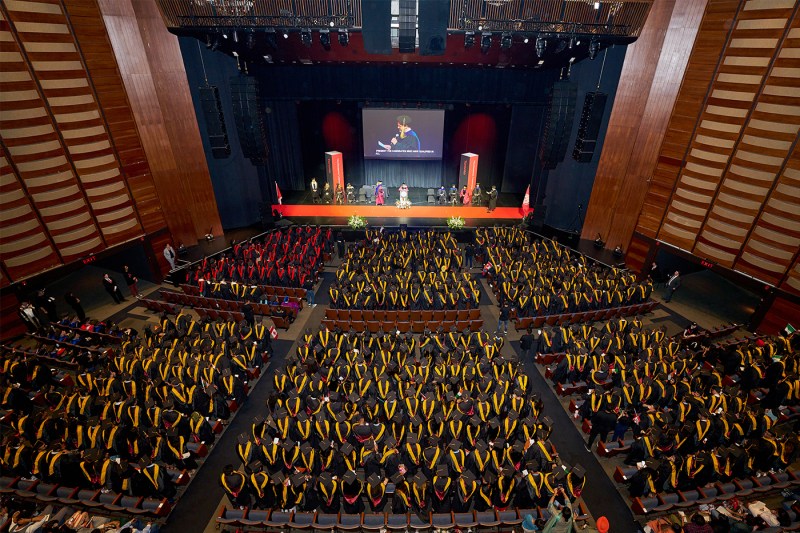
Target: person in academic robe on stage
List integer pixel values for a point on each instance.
(314, 191)
(326, 193)
(453, 195)
(465, 196)
(442, 195)
(379, 193)
(339, 195)
(403, 189)
(476, 194)
(351, 195)
(493, 199)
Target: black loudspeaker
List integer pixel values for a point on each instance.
(433, 18)
(215, 122)
(592, 115)
(248, 117)
(407, 30)
(558, 127)
(376, 26)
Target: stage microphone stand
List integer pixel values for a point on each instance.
(577, 219)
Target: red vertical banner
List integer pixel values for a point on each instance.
(334, 169)
(468, 172)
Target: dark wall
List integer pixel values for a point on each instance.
(524, 134)
(398, 83)
(235, 179)
(570, 183)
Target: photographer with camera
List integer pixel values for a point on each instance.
(561, 519)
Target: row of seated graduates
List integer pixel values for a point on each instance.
(699, 413)
(68, 343)
(540, 277)
(404, 270)
(133, 423)
(286, 257)
(356, 417)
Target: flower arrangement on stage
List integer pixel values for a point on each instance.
(403, 203)
(357, 222)
(455, 222)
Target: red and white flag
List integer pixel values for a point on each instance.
(526, 202)
(278, 191)
(273, 332)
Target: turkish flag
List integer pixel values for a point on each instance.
(526, 202)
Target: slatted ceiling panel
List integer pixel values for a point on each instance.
(72, 103)
(775, 238)
(705, 175)
(792, 281)
(24, 244)
(41, 165)
(756, 164)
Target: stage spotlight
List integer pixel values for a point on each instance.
(305, 37)
(325, 39)
(571, 43)
(235, 36)
(285, 34)
(525, 40)
(251, 40)
(541, 46)
(344, 37)
(505, 41)
(594, 47)
(486, 42)
(469, 39)
(209, 40)
(215, 44)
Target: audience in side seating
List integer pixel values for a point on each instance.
(699, 412)
(541, 277)
(135, 419)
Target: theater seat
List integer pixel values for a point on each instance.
(464, 520)
(373, 521)
(509, 518)
(349, 522)
(487, 519)
(397, 521)
(232, 517)
(278, 520)
(442, 520)
(255, 517)
(644, 505)
(301, 520)
(416, 523)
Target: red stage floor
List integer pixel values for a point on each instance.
(389, 211)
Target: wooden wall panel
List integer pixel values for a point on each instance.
(152, 69)
(649, 84)
(782, 312)
(701, 69)
(43, 30)
(88, 27)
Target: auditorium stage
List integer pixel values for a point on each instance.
(391, 211)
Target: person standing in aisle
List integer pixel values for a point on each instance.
(131, 281)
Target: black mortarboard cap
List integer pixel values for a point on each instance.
(288, 444)
(349, 477)
(390, 442)
(419, 478)
(396, 478)
(454, 445)
(374, 479)
(489, 476)
(442, 470)
(499, 443)
(346, 448)
(306, 447)
(255, 466)
(412, 438)
(324, 445)
(298, 479)
(243, 438)
(578, 471)
(508, 471)
(277, 477)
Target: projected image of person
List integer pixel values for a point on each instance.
(406, 139)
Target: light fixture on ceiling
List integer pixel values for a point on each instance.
(594, 47)
(541, 46)
(305, 37)
(486, 42)
(469, 39)
(325, 39)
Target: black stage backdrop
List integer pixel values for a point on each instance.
(336, 125)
